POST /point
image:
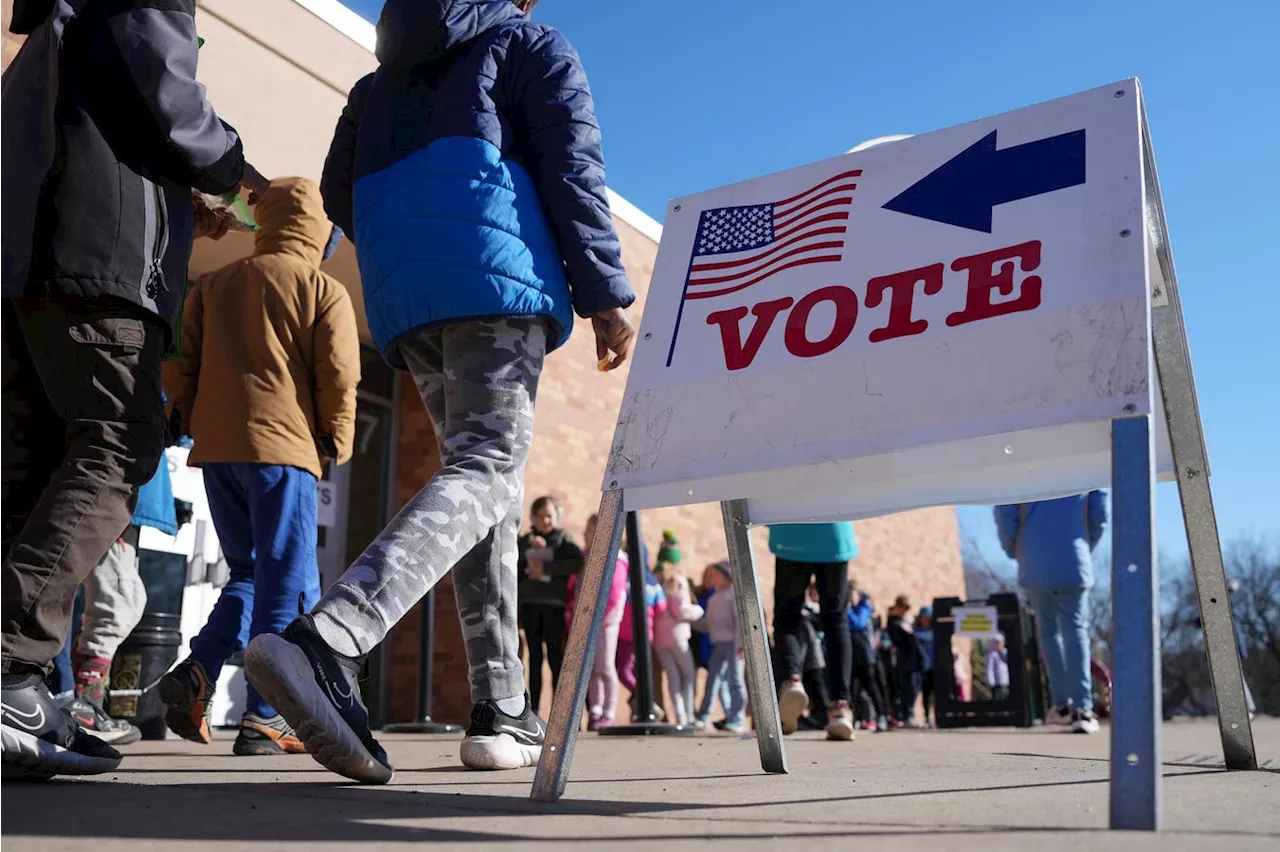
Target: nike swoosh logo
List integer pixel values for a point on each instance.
(335, 694)
(520, 733)
(18, 717)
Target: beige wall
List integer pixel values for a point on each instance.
(280, 76)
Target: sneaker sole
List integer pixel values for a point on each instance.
(1085, 728)
(118, 738)
(790, 706)
(499, 752)
(840, 730)
(282, 673)
(178, 716)
(28, 758)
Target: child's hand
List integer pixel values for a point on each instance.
(614, 333)
(537, 542)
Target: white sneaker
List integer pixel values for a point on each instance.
(840, 722)
(792, 701)
(1085, 722)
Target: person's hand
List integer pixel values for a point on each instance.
(614, 333)
(537, 542)
(253, 182)
(208, 223)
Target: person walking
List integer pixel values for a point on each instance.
(549, 557)
(671, 636)
(105, 134)
(266, 386)
(725, 668)
(1052, 542)
(821, 553)
(468, 168)
(866, 675)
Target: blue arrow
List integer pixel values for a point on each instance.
(963, 190)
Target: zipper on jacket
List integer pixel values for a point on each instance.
(160, 237)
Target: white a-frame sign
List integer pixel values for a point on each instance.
(983, 314)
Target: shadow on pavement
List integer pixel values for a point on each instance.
(308, 811)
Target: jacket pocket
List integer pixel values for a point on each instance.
(117, 332)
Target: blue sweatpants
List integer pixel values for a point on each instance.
(265, 516)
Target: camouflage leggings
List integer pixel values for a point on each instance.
(478, 381)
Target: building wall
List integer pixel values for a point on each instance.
(913, 553)
(9, 44)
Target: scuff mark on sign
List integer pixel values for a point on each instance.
(638, 414)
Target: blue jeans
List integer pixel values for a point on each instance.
(265, 516)
(1062, 628)
(63, 679)
(724, 675)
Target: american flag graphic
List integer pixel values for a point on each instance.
(736, 247)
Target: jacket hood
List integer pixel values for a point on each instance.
(291, 220)
(29, 14)
(411, 32)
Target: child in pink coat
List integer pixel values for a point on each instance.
(602, 693)
(671, 634)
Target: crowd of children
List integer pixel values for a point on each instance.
(694, 626)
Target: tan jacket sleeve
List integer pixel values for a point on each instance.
(336, 367)
(187, 379)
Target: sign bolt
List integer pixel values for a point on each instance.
(1119, 93)
(1129, 408)
(1124, 235)
(676, 208)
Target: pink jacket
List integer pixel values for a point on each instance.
(617, 594)
(671, 623)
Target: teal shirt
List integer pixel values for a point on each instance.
(813, 542)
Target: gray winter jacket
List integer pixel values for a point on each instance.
(105, 132)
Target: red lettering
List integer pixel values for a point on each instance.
(737, 354)
(797, 338)
(903, 288)
(984, 280)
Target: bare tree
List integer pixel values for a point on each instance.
(1253, 573)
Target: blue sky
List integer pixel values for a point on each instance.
(693, 95)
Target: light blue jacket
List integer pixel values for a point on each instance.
(155, 502)
(1053, 540)
(813, 542)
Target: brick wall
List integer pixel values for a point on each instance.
(916, 553)
(10, 43)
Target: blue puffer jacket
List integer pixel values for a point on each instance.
(813, 542)
(1053, 540)
(467, 171)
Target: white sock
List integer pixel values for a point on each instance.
(511, 706)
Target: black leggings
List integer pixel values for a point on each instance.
(791, 583)
(543, 623)
(866, 679)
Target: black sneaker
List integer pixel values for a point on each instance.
(317, 691)
(95, 720)
(498, 741)
(40, 739)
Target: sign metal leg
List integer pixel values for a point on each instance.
(1174, 369)
(580, 654)
(1135, 719)
(755, 641)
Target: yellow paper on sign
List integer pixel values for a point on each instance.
(976, 622)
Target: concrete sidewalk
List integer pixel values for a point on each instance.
(930, 790)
